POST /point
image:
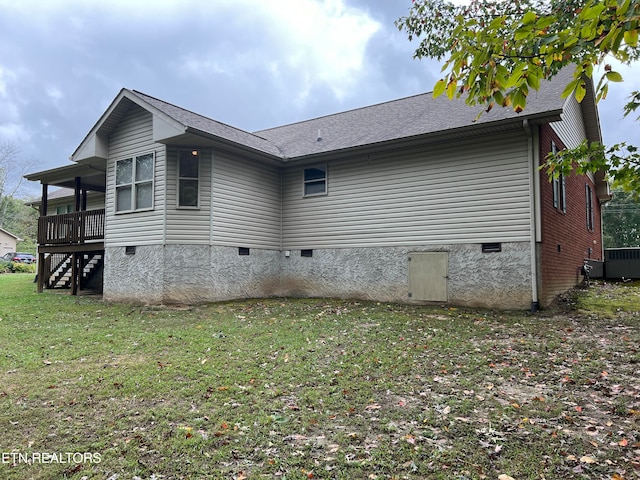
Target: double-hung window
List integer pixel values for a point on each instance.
(559, 188)
(188, 178)
(589, 203)
(315, 180)
(134, 183)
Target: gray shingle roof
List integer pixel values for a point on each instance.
(405, 118)
(212, 127)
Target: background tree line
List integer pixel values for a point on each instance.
(15, 216)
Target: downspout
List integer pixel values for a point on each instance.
(164, 198)
(281, 208)
(212, 206)
(535, 303)
(281, 260)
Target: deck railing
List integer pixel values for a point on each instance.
(71, 228)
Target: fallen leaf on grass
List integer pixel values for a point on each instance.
(69, 472)
(587, 459)
(505, 477)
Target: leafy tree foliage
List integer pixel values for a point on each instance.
(20, 220)
(12, 168)
(621, 221)
(497, 51)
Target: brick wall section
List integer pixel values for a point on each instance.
(565, 237)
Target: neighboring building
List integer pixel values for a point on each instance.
(414, 200)
(8, 241)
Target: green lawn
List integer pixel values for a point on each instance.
(317, 388)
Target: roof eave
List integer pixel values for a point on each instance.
(591, 120)
(467, 131)
(94, 168)
(11, 234)
(590, 114)
(95, 143)
(235, 146)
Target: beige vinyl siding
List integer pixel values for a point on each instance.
(246, 203)
(188, 225)
(571, 129)
(95, 201)
(134, 136)
(450, 193)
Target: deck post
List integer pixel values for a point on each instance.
(84, 200)
(45, 200)
(77, 191)
(41, 263)
(41, 273)
(74, 274)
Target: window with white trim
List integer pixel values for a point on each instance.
(559, 187)
(315, 180)
(134, 183)
(589, 204)
(188, 178)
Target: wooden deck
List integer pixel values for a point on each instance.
(69, 242)
(71, 228)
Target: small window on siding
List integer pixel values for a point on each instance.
(62, 209)
(306, 253)
(315, 180)
(243, 251)
(559, 187)
(188, 178)
(134, 183)
(589, 204)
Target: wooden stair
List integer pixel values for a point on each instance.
(60, 266)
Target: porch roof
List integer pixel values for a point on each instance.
(92, 173)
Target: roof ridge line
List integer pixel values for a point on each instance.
(138, 92)
(191, 112)
(344, 111)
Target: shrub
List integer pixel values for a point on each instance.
(18, 267)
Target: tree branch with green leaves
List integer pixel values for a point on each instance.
(495, 52)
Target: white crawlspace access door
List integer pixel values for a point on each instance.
(428, 273)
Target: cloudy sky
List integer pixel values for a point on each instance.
(252, 64)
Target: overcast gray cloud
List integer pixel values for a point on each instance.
(249, 63)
